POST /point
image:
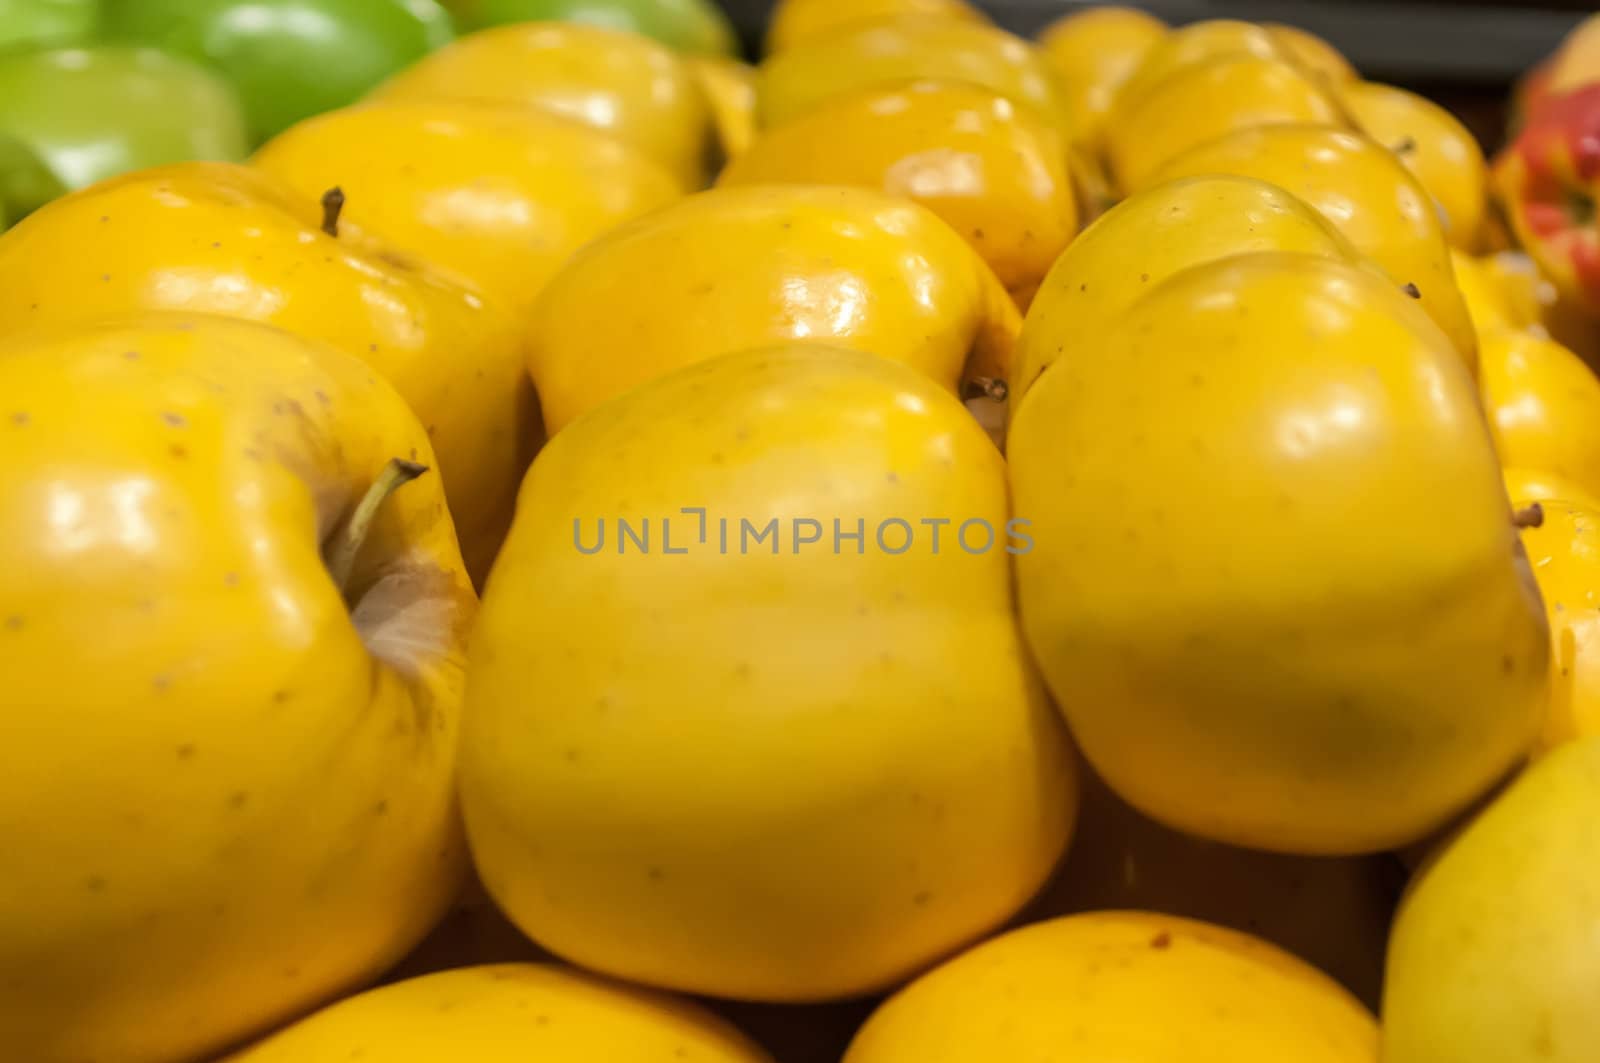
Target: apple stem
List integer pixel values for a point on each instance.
(332, 207)
(1531, 517)
(989, 388)
(341, 551)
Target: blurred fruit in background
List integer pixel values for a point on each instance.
(1192, 45)
(1365, 192)
(1315, 55)
(908, 48)
(699, 279)
(229, 240)
(696, 27)
(501, 196)
(1564, 552)
(1496, 935)
(35, 23)
(995, 172)
(96, 112)
(1201, 102)
(1095, 51)
(1577, 62)
(639, 91)
(288, 59)
(730, 88)
(1148, 238)
(1121, 986)
(1543, 406)
(1435, 146)
(26, 183)
(1548, 179)
(802, 21)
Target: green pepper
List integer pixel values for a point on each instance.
(694, 26)
(289, 59)
(91, 113)
(32, 23)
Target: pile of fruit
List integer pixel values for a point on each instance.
(529, 538)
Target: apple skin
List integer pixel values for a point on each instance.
(227, 779)
(96, 112)
(697, 27)
(289, 59)
(26, 183)
(34, 23)
(1549, 179)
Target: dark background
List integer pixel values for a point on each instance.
(1465, 53)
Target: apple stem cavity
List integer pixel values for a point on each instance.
(346, 543)
(332, 207)
(1529, 517)
(988, 388)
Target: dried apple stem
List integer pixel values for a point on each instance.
(346, 543)
(1531, 517)
(332, 207)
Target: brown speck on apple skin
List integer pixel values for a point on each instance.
(1161, 941)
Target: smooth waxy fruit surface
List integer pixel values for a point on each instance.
(698, 279)
(908, 48)
(697, 27)
(638, 91)
(1095, 51)
(1493, 954)
(1435, 146)
(502, 1014)
(1564, 552)
(1202, 102)
(1144, 240)
(1314, 55)
(288, 59)
(1309, 667)
(994, 172)
(26, 183)
(1543, 405)
(228, 240)
(499, 196)
(1195, 45)
(1128, 986)
(657, 760)
(184, 674)
(34, 23)
(1365, 191)
(93, 113)
(799, 21)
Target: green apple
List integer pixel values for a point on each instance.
(92, 113)
(26, 183)
(30, 23)
(289, 59)
(696, 26)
